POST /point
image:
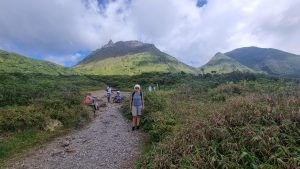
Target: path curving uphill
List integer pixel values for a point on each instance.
(107, 143)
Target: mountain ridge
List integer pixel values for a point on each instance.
(119, 48)
(11, 62)
(268, 60)
(129, 58)
(135, 57)
(221, 64)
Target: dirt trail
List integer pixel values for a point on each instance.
(107, 142)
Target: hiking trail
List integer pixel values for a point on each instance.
(106, 143)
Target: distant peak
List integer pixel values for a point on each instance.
(132, 43)
(126, 44)
(219, 53)
(109, 44)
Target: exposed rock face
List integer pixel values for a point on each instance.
(109, 44)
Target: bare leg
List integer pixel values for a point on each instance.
(134, 121)
(138, 120)
(97, 105)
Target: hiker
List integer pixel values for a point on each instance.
(136, 106)
(91, 101)
(117, 98)
(108, 93)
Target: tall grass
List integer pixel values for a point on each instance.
(229, 126)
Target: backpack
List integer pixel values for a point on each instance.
(87, 100)
(141, 94)
(91, 102)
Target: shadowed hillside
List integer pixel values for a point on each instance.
(267, 60)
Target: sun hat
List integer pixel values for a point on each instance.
(137, 86)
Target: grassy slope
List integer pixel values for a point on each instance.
(271, 61)
(221, 64)
(11, 63)
(134, 64)
(213, 125)
(28, 102)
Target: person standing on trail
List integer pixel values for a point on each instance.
(136, 106)
(108, 93)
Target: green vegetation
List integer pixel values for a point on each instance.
(222, 64)
(270, 61)
(229, 121)
(236, 120)
(36, 107)
(131, 58)
(133, 65)
(14, 63)
(125, 83)
(253, 59)
(211, 120)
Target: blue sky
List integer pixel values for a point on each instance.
(65, 31)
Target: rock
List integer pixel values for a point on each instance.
(68, 138)
(84, 141)
(80, 124)
(103, 105)
(65, 143)
(69, 150)
(53, 124)
(109, 44)
(56, 152)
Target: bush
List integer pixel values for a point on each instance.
(251, 128)
(151, 122)
(29, 102)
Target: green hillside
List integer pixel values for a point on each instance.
(130, 58)
(222, 64)
(15, 63)
(268, 60)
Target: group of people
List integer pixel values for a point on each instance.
(109, 92)
(136, 103)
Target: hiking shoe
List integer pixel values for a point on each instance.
(137, 127)
(133, 128)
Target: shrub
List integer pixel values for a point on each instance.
(151, 122)
(251, 128)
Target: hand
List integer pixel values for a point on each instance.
(143, 107)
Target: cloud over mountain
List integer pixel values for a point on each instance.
(191, 30)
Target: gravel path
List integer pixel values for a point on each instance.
(107, 142)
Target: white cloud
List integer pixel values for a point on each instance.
(60, 28)
(64, 60)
